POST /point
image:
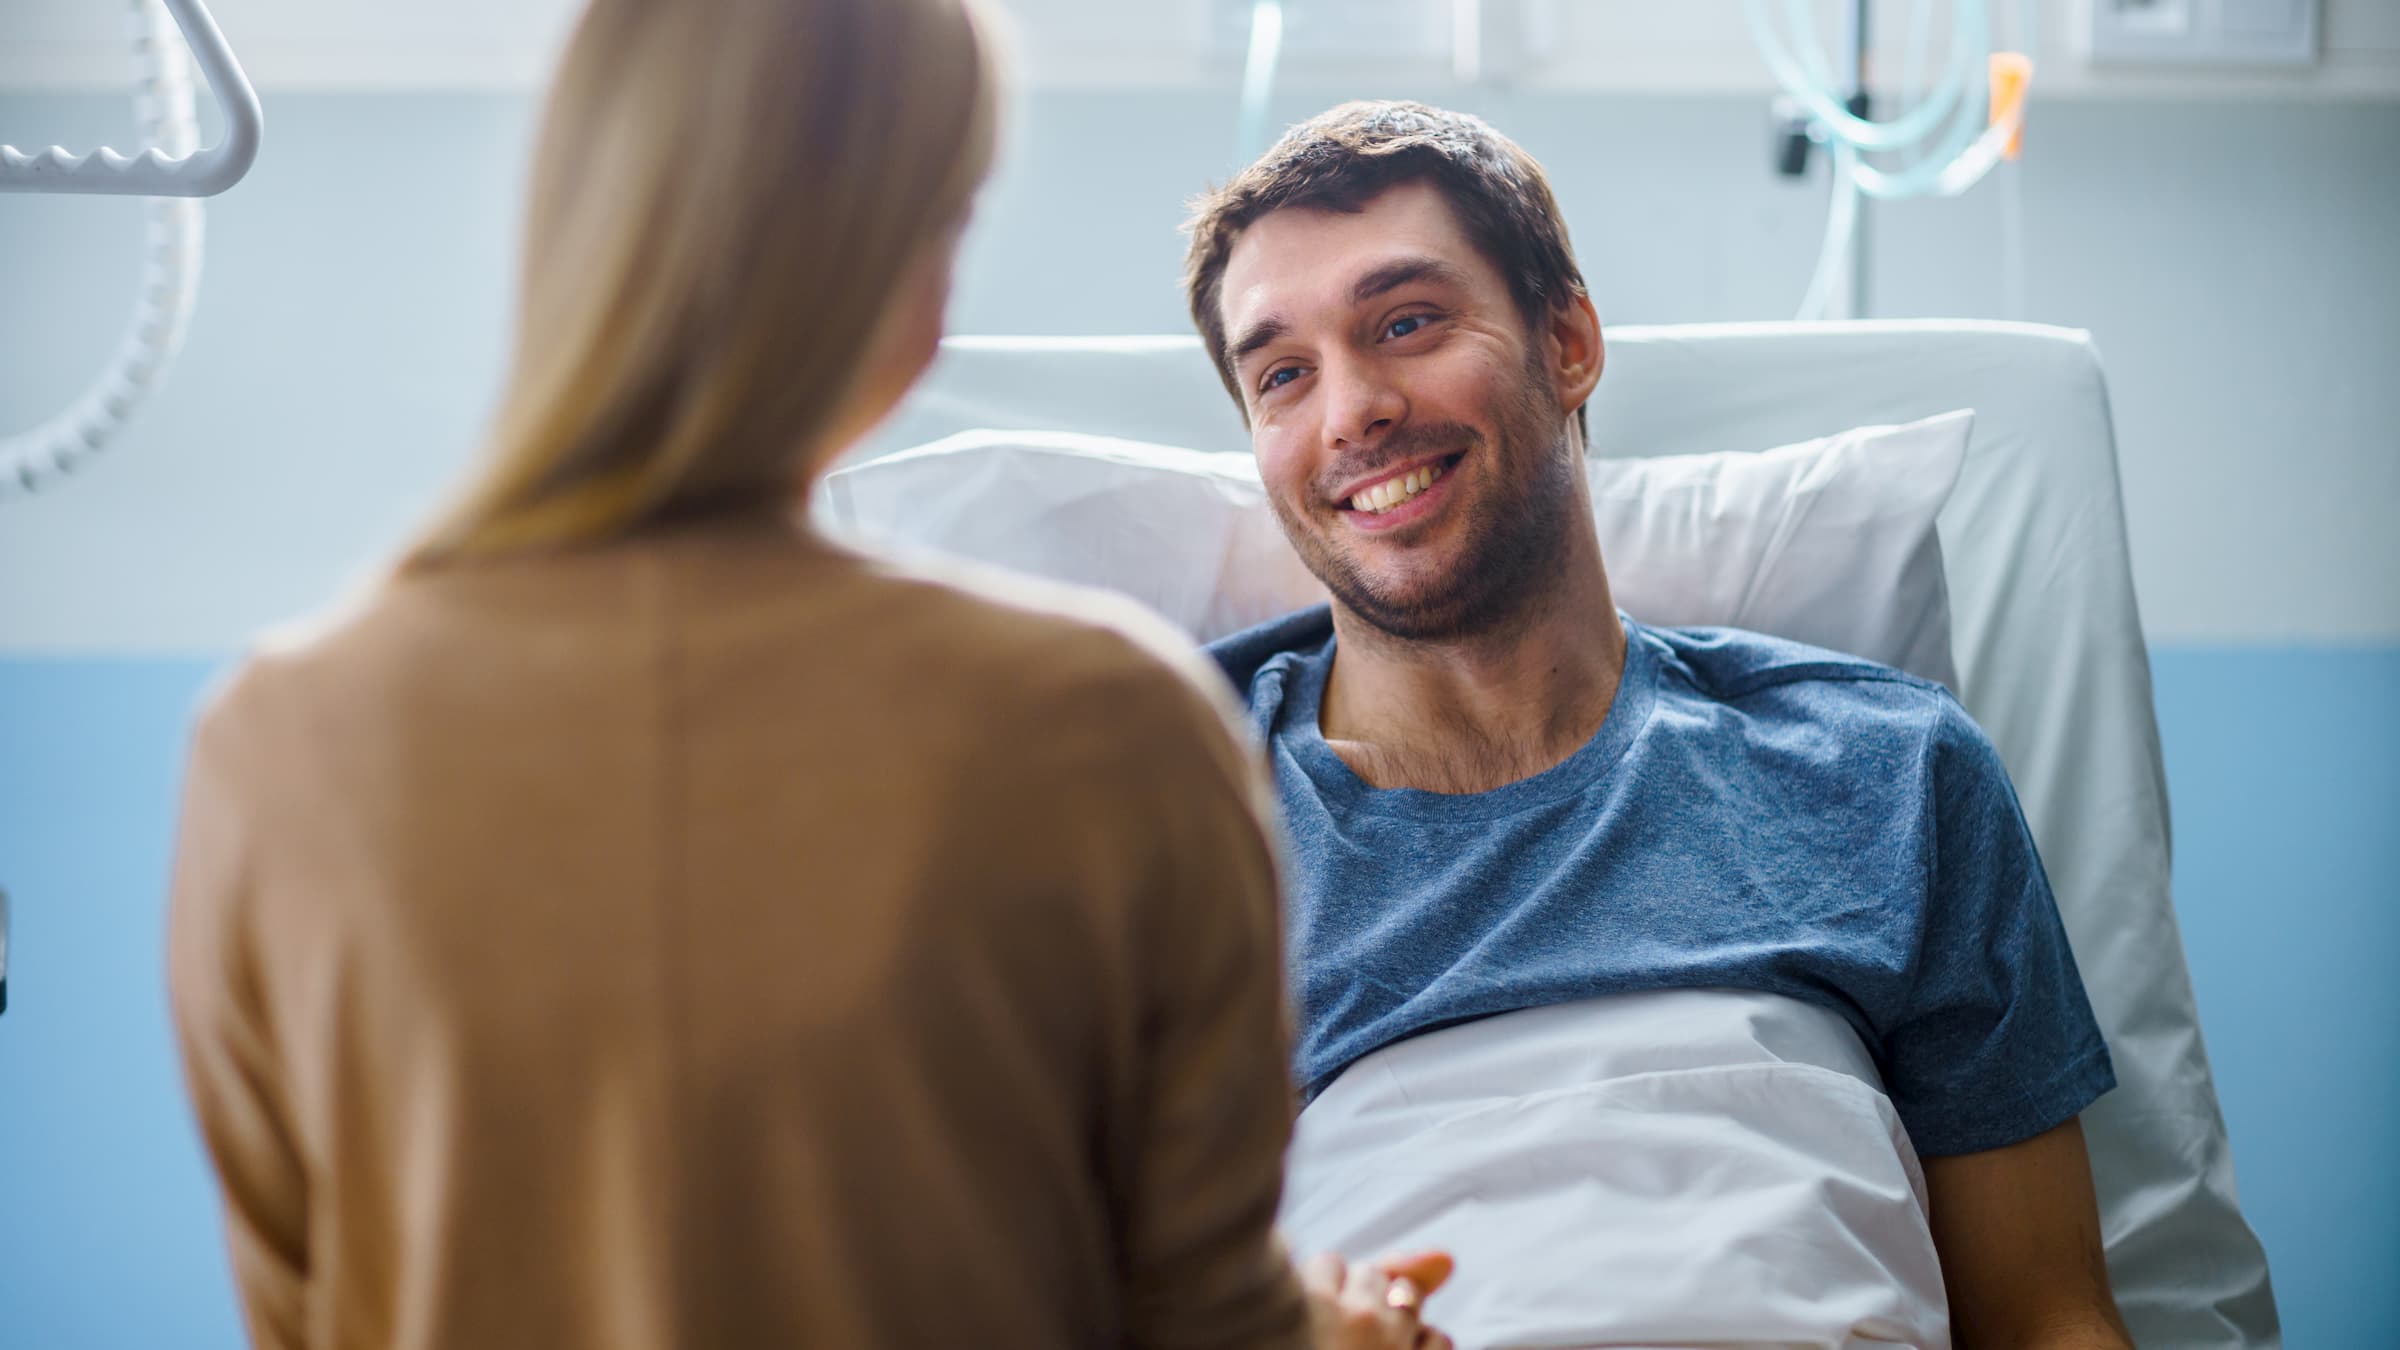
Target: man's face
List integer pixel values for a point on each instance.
(1379, 352)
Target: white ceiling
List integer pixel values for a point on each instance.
(1620, 45)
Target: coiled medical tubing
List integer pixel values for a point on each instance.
(1949, 138)
(1949, 153)
(174, 172)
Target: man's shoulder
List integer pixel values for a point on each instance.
(1780, 686)
(1736, 664)
(1241, 656)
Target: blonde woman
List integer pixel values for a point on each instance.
(636, 923)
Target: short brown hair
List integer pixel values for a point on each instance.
(1343, 158)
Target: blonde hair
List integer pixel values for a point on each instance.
(726, 197)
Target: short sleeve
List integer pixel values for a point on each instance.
(1997, 1042)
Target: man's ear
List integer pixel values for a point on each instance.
(1576, 350)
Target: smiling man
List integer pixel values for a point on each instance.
(1693, 987)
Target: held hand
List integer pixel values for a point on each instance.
(1374, 1307)
(1427, 1270)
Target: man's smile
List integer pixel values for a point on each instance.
(1398, 495)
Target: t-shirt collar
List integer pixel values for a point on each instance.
(1297, 733)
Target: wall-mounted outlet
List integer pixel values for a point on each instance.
(2203, 32)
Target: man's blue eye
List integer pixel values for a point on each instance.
(1276, 380)
(1401, 328)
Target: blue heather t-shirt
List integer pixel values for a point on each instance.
(1753, 814)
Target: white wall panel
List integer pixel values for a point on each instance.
(2234, 262)
(1606, 45)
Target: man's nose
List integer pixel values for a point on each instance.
(1362, 405)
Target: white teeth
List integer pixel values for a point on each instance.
(1393, 491)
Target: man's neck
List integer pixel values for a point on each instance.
(1484, 711)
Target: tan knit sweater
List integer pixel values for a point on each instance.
(723, 941)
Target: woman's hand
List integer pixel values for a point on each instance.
(1374, 1307)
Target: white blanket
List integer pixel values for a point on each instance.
(1682, 1168)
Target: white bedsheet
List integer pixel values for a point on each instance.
(1684, 1168)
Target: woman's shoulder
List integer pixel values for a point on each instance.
(1045, 644)
(797, 621)
(270, 678)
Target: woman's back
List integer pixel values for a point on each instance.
(717, 940)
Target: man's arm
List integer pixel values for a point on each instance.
(2019, 1236)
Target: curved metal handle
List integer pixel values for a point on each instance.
(153, 172)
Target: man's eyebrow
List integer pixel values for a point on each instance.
(1403, 272)
(1254, 337)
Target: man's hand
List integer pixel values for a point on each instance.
(1374, 1307)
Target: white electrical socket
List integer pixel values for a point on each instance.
(2202, 32)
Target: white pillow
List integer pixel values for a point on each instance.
(1829, 542)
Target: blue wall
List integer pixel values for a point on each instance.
(108, 1236)
(2284, 767)
(2283, 771)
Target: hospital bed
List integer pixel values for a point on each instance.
(2046, 636)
